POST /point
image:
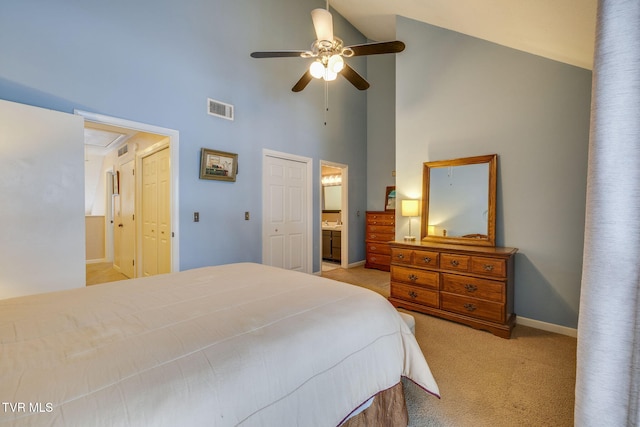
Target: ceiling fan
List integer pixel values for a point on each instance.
(329, 52)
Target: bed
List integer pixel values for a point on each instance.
(237, 344)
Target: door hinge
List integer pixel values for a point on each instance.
(173, 234)
(133, 217)
(133, 262)
(133, 171)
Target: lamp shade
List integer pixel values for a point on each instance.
(410, 207)
(317, 69)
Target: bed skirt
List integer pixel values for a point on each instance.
(389, 409)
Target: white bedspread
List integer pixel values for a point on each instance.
(238, 344)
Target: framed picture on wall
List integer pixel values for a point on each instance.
(218, 165)
(115, 182)
(390, 199)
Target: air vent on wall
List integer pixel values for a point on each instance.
(220, 109)
(123, 150)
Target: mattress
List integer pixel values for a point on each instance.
(238, 344)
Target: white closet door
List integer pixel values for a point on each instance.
(156, 214)
(285, 213)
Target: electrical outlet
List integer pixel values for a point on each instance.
(246, 216)
(196, 217)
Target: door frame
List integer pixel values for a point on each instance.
(344, 202)
(174, 150)
(309, 199)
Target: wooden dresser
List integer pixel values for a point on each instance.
(466, 284)
(381, 229)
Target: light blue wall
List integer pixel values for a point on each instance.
(381, 129)
(157, 62)
(458, 96)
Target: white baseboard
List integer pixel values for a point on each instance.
(96, 261)
(356, 264)
(549, 327)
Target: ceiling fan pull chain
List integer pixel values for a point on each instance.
(326, 101)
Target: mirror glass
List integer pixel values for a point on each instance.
(459, 201)
(332, 198)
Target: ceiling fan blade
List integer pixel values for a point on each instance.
(303, 82)
(356, 79)
(278, 54)
(377, 48)
(323, 24)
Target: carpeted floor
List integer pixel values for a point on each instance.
(102, 272)
(484, 380)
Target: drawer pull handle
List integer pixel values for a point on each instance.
(470, 288)
(488, 267)
(400, 256)
(455, 262)
(426, 259)
(373, 236)
(413, 295)
(470, 307)
(413, 277)
(373, 248)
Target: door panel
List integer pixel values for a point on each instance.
(164, 212)
(156, 214)
(285, 214)
(149, 216)
(124, 232)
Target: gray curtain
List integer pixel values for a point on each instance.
(608, 369)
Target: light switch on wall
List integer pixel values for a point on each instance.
(196, 217)
(246, 216)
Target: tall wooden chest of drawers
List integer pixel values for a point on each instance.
(466, 284)
(381, 229)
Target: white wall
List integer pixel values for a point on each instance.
(42, 186)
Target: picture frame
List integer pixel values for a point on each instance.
(218, 165)
(390, 199)
(115, 177)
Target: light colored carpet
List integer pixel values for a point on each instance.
(484, 380)
(102, 272)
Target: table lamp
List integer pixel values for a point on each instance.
(410, 208)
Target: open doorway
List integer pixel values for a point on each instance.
(334, 218)
(126, 236)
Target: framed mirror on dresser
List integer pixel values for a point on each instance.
(455, 271)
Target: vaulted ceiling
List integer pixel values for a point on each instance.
(562, 30)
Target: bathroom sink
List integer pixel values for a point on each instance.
(332, 227)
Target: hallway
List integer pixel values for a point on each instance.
(102, 272)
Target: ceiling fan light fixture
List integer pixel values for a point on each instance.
(317, 69)
(336, 63)
(329, 75)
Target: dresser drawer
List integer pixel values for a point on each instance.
(402, 256)
(473, 287)
(378, 248)
(380, 237)
(378, 219)
(489, 266)
(378, 259)
(380, 229)
(473, 307)
(413, 276)
(426, 259)
(454, 262)
(414, 294)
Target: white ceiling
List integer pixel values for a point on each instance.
(563, 30)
